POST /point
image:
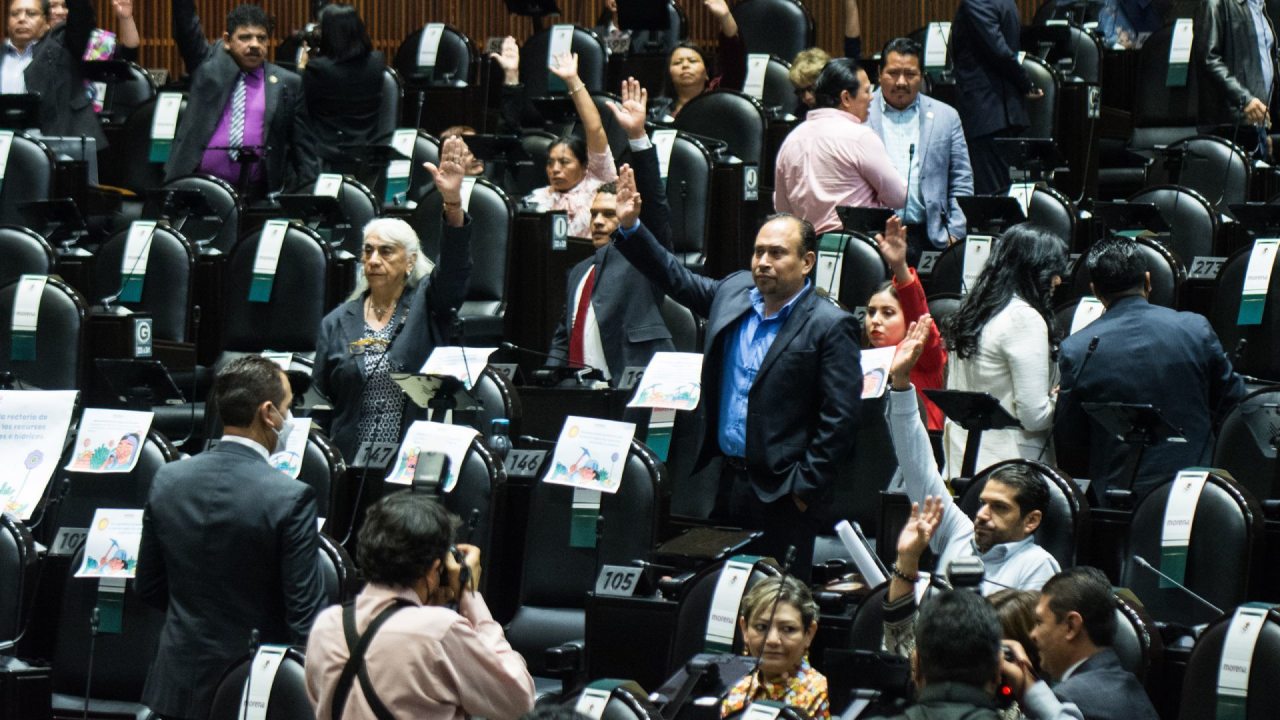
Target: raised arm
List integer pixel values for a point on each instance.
(852, 30)
(80, 22)
(126, 28)
(565, 67)
(631, 114)
(188, 34)
(452, 275)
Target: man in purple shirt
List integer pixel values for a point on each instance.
(245, 120)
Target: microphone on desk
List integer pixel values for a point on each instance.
(1143, 562)
(585, 371)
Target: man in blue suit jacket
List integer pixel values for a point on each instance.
(985, 38)
(926, 144)
(229, 545)
(780, 376)
(1139, 353)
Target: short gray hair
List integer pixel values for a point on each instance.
(399, 232)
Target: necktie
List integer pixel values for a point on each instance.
(580, 319)
(236, 138)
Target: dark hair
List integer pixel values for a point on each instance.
(667, 88)
(1025, 260)
(837, 76)
(1085, 590)
(958, 639)
(609, 188)
(342, 33)
(576, 145)
(808, 236)
(248, 15)
(1116, 267)
(1030, 491)
(784, 590)
(904, 46)
(243, 385)
(1017, 612)
(403, 535)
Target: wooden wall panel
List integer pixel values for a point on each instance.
(390, 21)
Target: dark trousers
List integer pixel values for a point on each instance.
(781, 521)
(990, 171)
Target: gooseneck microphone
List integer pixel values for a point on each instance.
(1191, 593)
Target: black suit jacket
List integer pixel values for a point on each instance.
(427, 312)
(802, 409)
(343, 101)
(628, 307)
(54, 72)
(1145, 354)
(229, 545)
(1103, 690)
(985, 39)
(291, 160)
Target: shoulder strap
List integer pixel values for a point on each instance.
(357, 645)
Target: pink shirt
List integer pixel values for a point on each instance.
(426, 662)
(577, 200)
(832, 159)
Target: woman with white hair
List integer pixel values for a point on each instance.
(395, 317)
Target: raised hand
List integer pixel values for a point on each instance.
(909, 351)
(123, 8)
(719, 8)
(565, 67)
(628, 198)
(920, 527)
(631, 112)
(454, 159)
(893, 247)
(509, 60)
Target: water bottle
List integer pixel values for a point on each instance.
(500, 440)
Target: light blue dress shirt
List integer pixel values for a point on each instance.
(1266, 41)
(12, 81)
(901, 130)
(744, 351)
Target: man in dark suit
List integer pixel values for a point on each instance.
(1139, 353)
(39, 60)
(239, 100)
(991, 85)
(780, 377)
(624, 327)
(1075, 626)
(229, 545)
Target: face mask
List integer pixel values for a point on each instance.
(282, 435)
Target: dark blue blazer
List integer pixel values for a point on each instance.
(1145, 354)
(985, 39)
(229, 545)
(1103, 690)
(802, 410)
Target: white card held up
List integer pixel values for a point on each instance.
(875, 370)
(109, 441)
(591, 454)
(1087, 310)
(289, 460)
(111, 549)
(672, 381)
(424, 436)
(466, 364)
(33, 427)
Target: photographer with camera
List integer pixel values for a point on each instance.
(400, 650)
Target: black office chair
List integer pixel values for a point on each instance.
(1066, 519)
(627, 701)
(1167, 276)
(1042, 112)
(1246, 443)
(338, 574)
(120, 662)
(948, 272)
(1137, 643)
(128, 163)
(1072, 12)
(729, 116)
(323, 468)
(613, 132)
(862, 269)
(689, 196)
(124, 96)
(290, 320)
(19, 569)
(288, 699)
(1222, 557)
(221, 230)
(167, 286)
(555, 576)
(358, 207)
(426, 149)
(61, 339)
(24, 252)
(1074, 51)
(694, 614)
(497, 398)
(453, 60)
(661, 42)
(537, 145)
(1193, 224)
(483, 312)
(475, 495)
(775, 27)
(1200, 680)
(1254, 349)
(779, 94)
(1054, 211)
(86, 492)
(1215, 167)
(942, 306)
(591, 61)
(683, 325)
(28, 177)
